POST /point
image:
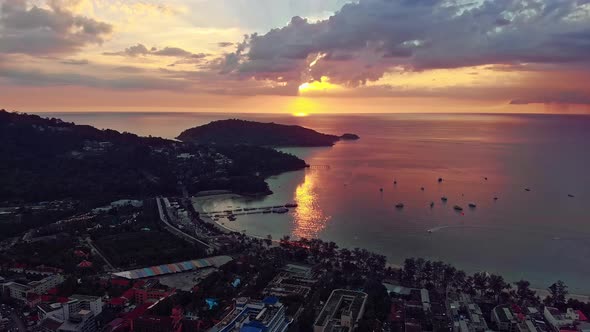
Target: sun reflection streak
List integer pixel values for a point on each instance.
(309, 217)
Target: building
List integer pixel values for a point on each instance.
(341, 312)
(557, 319)
(76, 315)
(150, 291)
(467, 316)
(293, 280)
(248, 315)
(22, 292)
(512, 319)
(159, 270)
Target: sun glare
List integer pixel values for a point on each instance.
(323, 85)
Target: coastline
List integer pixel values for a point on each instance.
(197, 202)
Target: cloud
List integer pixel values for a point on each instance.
(184, 56)
(47, 31)
(32, 77)
(76, 62)
(365, 40)
(563, 97)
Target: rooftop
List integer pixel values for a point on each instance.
(152, 271)
(342, 301)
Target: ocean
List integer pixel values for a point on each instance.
(540, 235)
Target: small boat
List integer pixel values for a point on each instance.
(431, 204)
(571, 196)
(495, 198)
(381, 189)
(527, 189)
(440, 180)
(472, 205)
(394, 181)
(280, 210)
(485, 178)
(231, 218)
(457, 208)
(400, 205)
(422, 188)
(291, 205)
(444, 199)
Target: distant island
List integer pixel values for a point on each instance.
(233, 131)
(350, 137)
(48, 159)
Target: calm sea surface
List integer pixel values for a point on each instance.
(541, 235)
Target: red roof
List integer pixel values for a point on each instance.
(63, 299)
(52, 291)
(120, 282)
(80, 253)
(581, 315)
(85, 264)
(129, 294)
(118, 301)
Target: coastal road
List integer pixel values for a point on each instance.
(94, 249)
(164, 219)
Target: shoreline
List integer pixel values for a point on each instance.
(197, 204)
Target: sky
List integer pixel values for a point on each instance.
(295, 56)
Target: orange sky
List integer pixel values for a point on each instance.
(180, 55)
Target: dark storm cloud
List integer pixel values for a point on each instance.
(364, 40)
(39, 31)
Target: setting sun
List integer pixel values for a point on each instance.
(300, 114)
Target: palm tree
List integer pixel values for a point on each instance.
(480, 282)
(497, 285)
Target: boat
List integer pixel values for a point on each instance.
(422, 188)
(440, 180)
(472, 205)
(394, 182)
(291, 205)
(381, 189)
(400, 205)
(457, 208)
(444, 199)
(431, 204)
(527, 189)
(570, 195)
(231, 218)
(280, 210)
(495, 198)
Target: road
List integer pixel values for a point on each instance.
(19, 323)
(94, 249)
(175, 230)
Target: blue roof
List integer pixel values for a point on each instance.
(253, 326)
(271, 300)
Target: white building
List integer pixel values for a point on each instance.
(21, 291)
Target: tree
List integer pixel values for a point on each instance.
(409, 272)
(480, 282)
(497, 285)
(524, 294)
(558, 294)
